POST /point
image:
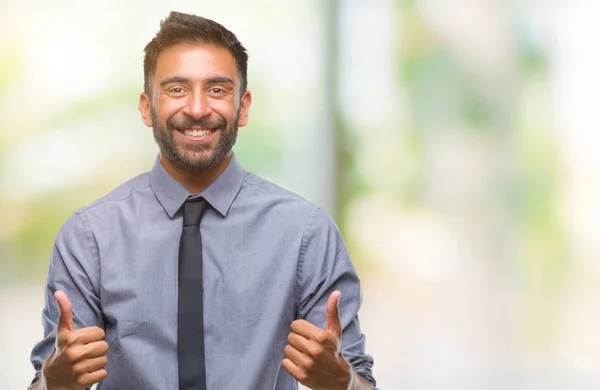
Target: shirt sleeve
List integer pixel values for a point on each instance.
(324, 267)
(74, 269)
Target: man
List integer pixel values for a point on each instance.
(197, 274)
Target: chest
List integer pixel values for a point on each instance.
(249, 272)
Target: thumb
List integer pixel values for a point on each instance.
(65, 318)
(334, 326)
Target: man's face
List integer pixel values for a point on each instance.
(195, 108)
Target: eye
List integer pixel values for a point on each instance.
(176, 90)
(216, 91)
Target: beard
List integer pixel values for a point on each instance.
(195, 157)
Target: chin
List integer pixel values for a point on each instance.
(199, 163)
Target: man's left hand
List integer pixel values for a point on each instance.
(314, 355)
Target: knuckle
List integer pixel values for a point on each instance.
(72, 355)
(70, 338)
(315, 350)
(77, 369)
(82, 380)
(302, 376)
(310, 363)
(321, 338)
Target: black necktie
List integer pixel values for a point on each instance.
(190, 319)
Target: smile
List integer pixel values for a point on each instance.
(199, 133)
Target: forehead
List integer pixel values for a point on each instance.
(195, 61)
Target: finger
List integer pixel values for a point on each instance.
(87, 335)
(93, 350)
(294, 370)
(298, 342)
(90, 365)
(91, 378)
(297, 357)
(78, 353)
(65, 317)
(308, 330)
(333, 324)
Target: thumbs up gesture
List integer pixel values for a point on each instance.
(313, 355)
(79, 355)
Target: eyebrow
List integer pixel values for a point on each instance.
(174, 79)
(219, 80)
(210, 80)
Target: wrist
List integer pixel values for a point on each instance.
(47, 379)
(352, 383)
(44, 374)
(350, 380)
(357, 382)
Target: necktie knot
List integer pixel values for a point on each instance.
(193, 209)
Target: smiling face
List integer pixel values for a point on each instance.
(196, 105)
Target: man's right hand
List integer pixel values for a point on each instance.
(79, 356)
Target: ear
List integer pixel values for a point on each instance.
(245, 107)
(145, 109)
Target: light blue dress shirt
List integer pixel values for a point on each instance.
(270, 257)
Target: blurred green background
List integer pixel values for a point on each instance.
(454, 142)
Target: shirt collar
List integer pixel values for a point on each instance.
(220, 194)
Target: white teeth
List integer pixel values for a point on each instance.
(197, 133)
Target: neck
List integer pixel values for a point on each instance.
(195, 181)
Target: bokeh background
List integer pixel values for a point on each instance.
(455, 142)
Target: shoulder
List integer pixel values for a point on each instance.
(278, 200)
(254, 185)
(259, 184)
(77, 225)
(272, 197)
(120, 194)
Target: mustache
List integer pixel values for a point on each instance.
(188, 123)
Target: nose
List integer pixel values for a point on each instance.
(197, 105)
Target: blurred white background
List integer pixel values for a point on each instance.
(454, 142)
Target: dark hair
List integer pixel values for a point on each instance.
(187, 28)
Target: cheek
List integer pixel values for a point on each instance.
(226, 110)
(169, 108)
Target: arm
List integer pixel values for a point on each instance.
(70, 331)
(325, 267)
